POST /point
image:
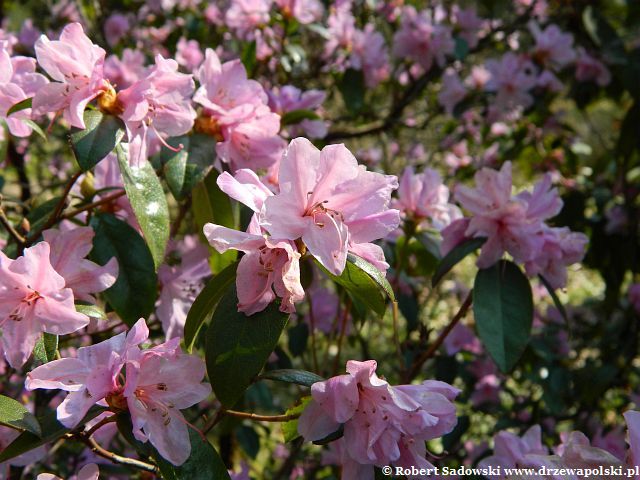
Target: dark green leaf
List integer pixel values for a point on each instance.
(149, 203)
(51, 430)
(13, 414)
(629, 140)
(36, 128)
(203, 464)
(503, 311)
(461, 49)
(134, 293)
(45, 349)
(352, 88)
(41, 214)
(97, 140)
(604, 35)
(248, 57)
(364, 282)
(298, 337)
(206, 301)
(296, 116)
(248, 440)
(185, 168)
(290, 375)
(554, 297)
(238, 346)
(332, 437)
(452, 258)
(21, 105)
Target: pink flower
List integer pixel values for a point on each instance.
(76, 65)
(33, 299)
(188, 54)
(590, 69)
(89, 378)
(369, 54)
(341, 29)
(462, 338)
(124, 73)
(510, 449)
(89, 472)
(549, 81)
(383, 424)
(18, 81)
(633, 428)
(289, 98)
(452, 92)
(553, 48)
(421, 40)
(469, 23)
(244, 16)
(304, 11)
(181, 284)
(270, 266)
(68, 251)
(159, 384)
(116, 27)
(424, 197)
(329, 202)
(160, 102)
(511, 77)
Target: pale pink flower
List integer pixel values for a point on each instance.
(304, 11)
(478, 77)
(18, 81)
(612, 441)
(634, 296)
(68, 251)
(289, 98)
(181, 284)
(28, 34)
(160, 102)
(330, 203)
(369, 54)
(510, 450)
(89, 472)
(421, 39)
(116, 27)
(189, 54)
(76, 65)
(340, 28)
(486, 390)
(633, 428)
(244, 16)
(160, 383)
(425, 198)
(511, 78)
(383, 424)
(458, 156)
(470, 25)
(33, 299)
(462, 338)
(553, 48)
(126, 71)
(452, 91)
(7, 436)
(91, 377)
(590, 69)
(548, 81)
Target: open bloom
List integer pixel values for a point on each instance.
(76, 65)
(511, 78)
(331, 203)
(33, 299)
(383, 424)
(553, 48)
(89, 472)
(68, 251)
(510, 450)
(18, 81)
(452, 92)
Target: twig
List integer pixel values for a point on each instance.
(9, 228)
(115, 458)
(92, 205)
(260, 418)
(213, 421)
(417, 364)
(99, 425)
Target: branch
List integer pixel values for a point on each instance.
(427, 354)
(95, 204)
(99, 425)
(115, 458)
(20, 240)
(260, 418)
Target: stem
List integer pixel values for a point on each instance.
(99, 425)
(396, 336)
(92, 205)
(213, 421)
(115, 458)
(313, 336)
(261, 418)
(343, 328)
(417, 364)
(20, 240)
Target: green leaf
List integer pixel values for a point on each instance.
(206, 301)
(204, 463)
(51, 430)
(36, 128)
(291, 375)
(237, 346)
(352, 88)
(41, 214)
(21, 105)
(364, 282)
(92, 311)
(149, 203)
(97, 140)
(461, 49)
(14, 415)
(604, 36)
(554, 297)
(290, 428)
(248, 57)
(454, 257)
(45, 349)
(134, 293)
(212, 205)
(296, 116)
(503, 311)
(185, 168)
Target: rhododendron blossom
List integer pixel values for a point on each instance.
(330, 203)
(383, 424)
(88, 472)
(33, 299)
